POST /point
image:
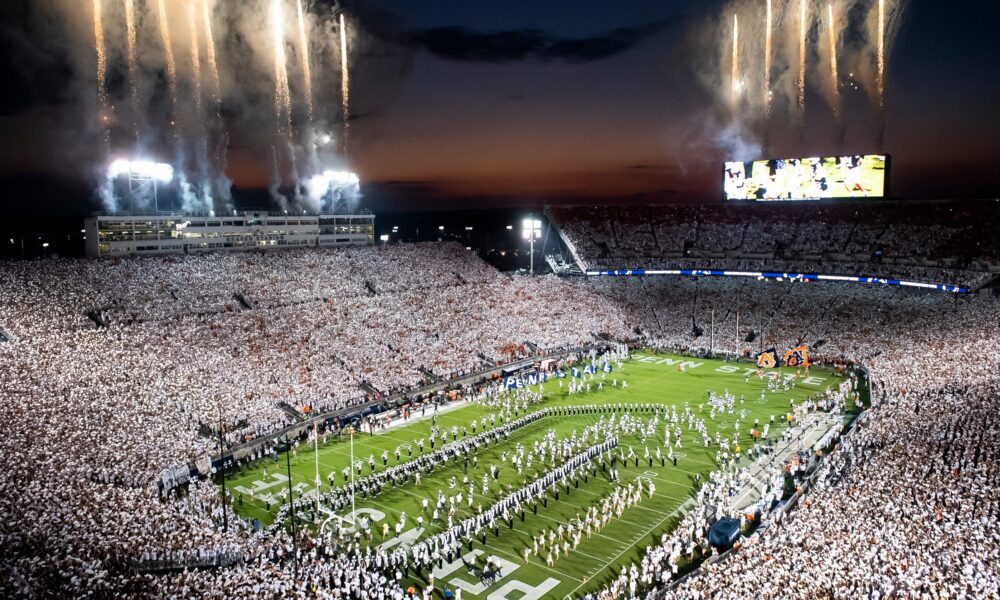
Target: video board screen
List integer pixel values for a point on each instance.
(862, 176)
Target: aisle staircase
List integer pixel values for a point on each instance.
(429, 375)
(580, 263)
(291, 410)
(559, 265)
(96, 316)
(243, 301)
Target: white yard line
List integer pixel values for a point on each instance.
(630, 546)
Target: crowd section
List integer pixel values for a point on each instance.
(907, 505)
(955, 240)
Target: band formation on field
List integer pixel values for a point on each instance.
(545, 490)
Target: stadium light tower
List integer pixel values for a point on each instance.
(531, 230)
(334, 188)
(143, 175)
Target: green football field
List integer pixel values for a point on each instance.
(652, 378)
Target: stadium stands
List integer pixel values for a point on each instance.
(948, 242)
(906, 506)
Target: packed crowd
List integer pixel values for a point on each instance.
(906, 505)
(92, 414)
(945, 242)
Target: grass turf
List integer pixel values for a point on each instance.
(652, 378)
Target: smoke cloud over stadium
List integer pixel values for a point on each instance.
(169, 80)
(775, 59)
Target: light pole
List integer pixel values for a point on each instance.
(531, 229)
(316, 455)
(712, 347)
(737, 335)
(222, 471)
(291, 505)
(354, 510)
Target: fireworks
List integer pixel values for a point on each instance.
(198, 144)
(133, 62)
(767, 61)
(210, 53)
(345, 82)
(306, 73)
(736, 59)
(881, 54)
(168, 53)
(834, 78)
(282, 96)
(102, 67)
(195, 57)
(802, 58)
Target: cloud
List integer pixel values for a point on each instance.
(463, 44)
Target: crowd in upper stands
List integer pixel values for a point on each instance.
(948, 242)
(93, 412)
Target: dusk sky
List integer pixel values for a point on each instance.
(532, 101)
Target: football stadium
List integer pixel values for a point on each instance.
(372, 300)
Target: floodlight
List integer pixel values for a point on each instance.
(145, 169)
(531, 230)
(342, 178)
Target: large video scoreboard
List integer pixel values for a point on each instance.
(817, 178)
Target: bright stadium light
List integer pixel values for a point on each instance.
(531, 230)
(341, 178)
(142, 176)
(330, 186)
(141, 169)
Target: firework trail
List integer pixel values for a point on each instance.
(835, 79)
(168, 53)
(345, 81)
(102, 68)
(767, 62)
(274, 186)
(195, 59)
(213, 67)
(881, 53)
(133, 63)
(307, 74)
(736, 60)
(802, 59)
(282, 97)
